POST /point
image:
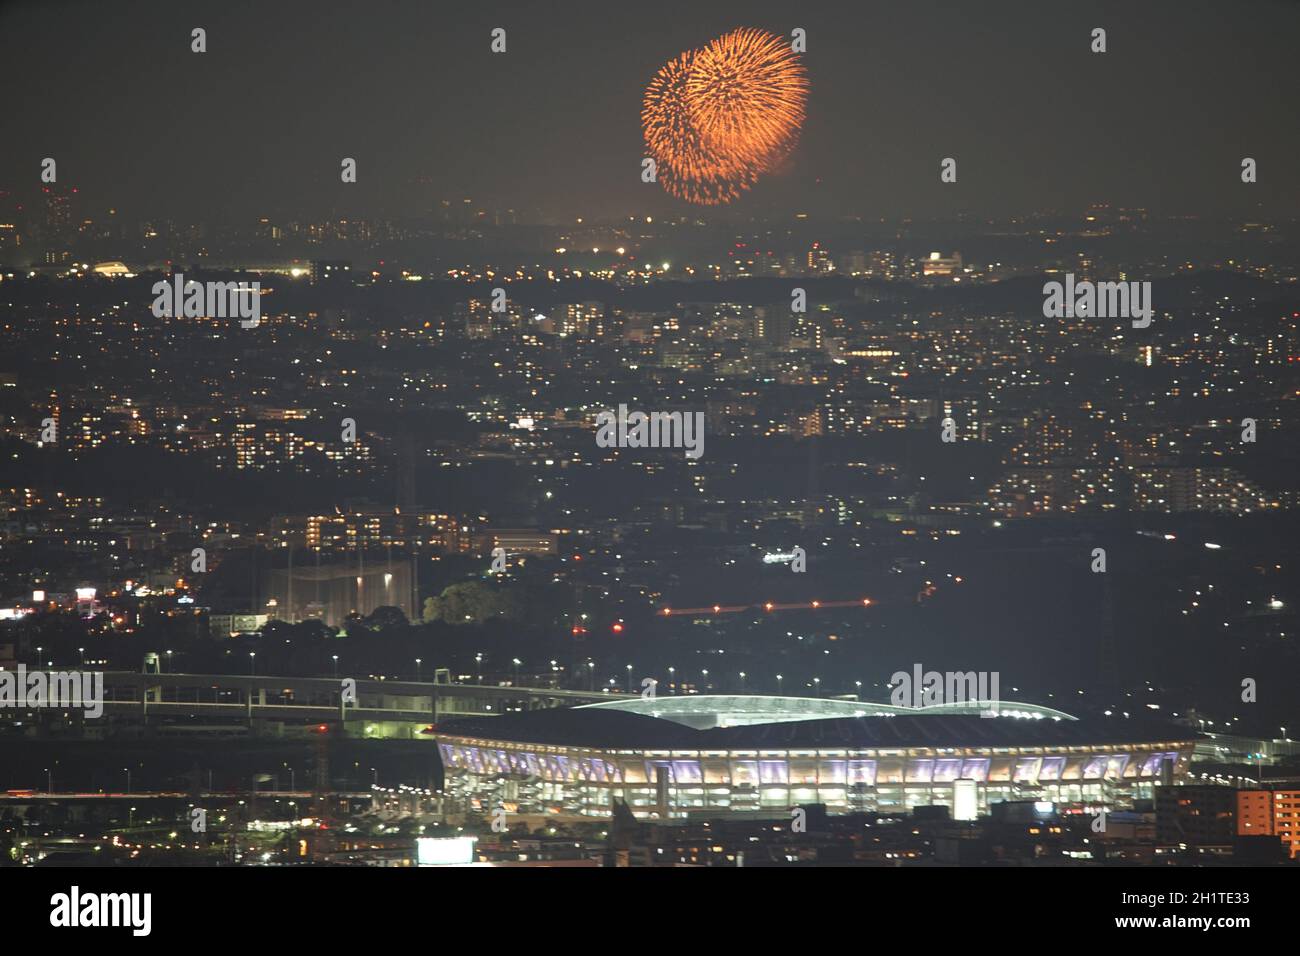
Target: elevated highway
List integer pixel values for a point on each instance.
(269, 703)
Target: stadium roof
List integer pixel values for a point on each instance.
(613, 729)
(703, 711)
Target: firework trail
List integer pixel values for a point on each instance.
(716, 118)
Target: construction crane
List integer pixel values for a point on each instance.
(322, 842)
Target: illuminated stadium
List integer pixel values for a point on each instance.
(710, 755)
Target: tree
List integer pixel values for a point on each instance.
(313, 629)
(471, 602)
(8, 851)
(387, 618)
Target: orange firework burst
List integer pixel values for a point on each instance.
(689, 166)
(714, 119)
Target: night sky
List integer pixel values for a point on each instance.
(259, 123)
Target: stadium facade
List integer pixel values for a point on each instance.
(706, 755)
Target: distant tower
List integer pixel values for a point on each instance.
(322, 768)
(322, 839)
(58, 210)
(406, 457)
(814, 506)
(1107, 663)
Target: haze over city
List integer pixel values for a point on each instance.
(600, 435)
